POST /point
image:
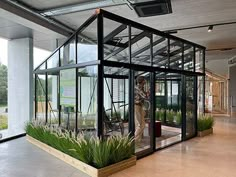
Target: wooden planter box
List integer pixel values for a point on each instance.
(89, 170)
(205, 132)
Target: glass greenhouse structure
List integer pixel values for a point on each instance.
(88, 83)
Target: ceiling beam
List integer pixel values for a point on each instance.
(33, 17)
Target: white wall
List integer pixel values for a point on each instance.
(218, 66)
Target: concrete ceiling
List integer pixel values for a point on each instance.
(186, 14)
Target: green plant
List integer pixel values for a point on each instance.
(3, 122)
(170, 116)
(205, 122)
(85, 147)
(157, 115)
(160, 115)
(126, 118)
(178, 117)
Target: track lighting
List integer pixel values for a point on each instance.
(210, 28)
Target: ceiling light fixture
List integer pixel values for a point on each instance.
(210, 28)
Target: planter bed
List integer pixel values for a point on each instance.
(91, 171)
(205, 132)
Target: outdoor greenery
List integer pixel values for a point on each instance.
(85, 147)
(205, 122)
(3, 84)
(3, 122)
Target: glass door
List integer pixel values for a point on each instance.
(168, 117)
(143, 116)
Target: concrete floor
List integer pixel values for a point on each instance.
(211, 156)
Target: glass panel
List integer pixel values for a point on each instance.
(190, 109)
(67, 53)
(141, 54)
(4, 120)
(42, 67)
(188, 57)
(67, 98)
(142, 111)
(160, 51)
(116, 96)
(200, 95)
(175, 54)
(116, 41)
(168, 117)
(53, 110)
(87, 99)
(53, 61)
(41, 97)
(87, 43)
(199, 60)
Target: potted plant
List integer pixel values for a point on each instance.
(92, 155)
(205, 125)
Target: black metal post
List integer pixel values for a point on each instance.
(76, 86)
(131, 91)
(183, 107)
(46, 94)
(195, 105)
(59, 98)
(168, 52)
(166, 99)
(194, 58)
(35, 97)
(100, 89)
(204, 82)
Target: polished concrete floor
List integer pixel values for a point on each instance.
(210, 156)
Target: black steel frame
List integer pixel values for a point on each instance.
(101, 62)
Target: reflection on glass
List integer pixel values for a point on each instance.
(53, 111)
(41, 97)
(116, 96)
(116, 41)
(190, 109)
(67, 98)
(168, 116)
(87, 43)
(141, 50)
(142, 112)
(199, 60)
(87, 99)
(53, 61)
(67, 53)
(175, 54)
(188, 57)
(160, 51)
(86, 51)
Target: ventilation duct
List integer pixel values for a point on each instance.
(152, 8)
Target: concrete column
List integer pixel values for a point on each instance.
(20, 84)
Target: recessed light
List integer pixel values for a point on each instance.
(210, 28)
